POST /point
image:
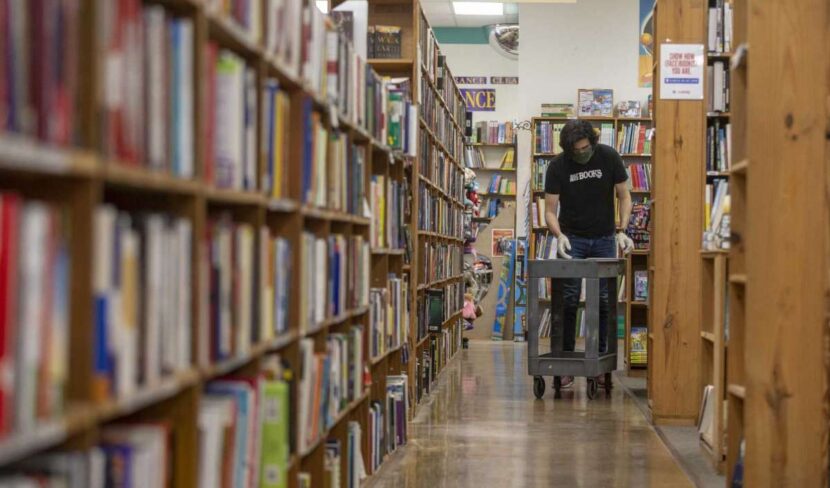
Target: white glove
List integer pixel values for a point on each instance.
(624, 243)
(563, 245)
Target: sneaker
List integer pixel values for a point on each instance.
(566, 382)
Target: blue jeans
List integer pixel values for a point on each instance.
(583, 248)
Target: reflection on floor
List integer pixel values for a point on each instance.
(484, 428)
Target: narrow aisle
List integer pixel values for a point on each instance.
(483, 427)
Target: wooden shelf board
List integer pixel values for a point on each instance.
(639, 303)
(737, 391)
(282, 341)
(116, 173)
(234, 197)
(709, 336)
(597, 118)
(166, 388)
(495, 170)
(635, 155)
(283, 205)
(383, 66)
(20, 153)
(223, 29)
(422, 341)
(344, 316)
(634, 119)
(713, 253)
(46, 434)
(718, 115)
(740, 167)
(493, 144)
(641, 252)
(738, 279)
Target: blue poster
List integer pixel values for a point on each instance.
(646, 63)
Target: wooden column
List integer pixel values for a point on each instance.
(674, 328)
(785, 418)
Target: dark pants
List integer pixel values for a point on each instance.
(583, 248)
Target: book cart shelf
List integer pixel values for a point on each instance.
(77, 178)
(638, 260)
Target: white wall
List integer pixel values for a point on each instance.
(565, 47)
(483, 60)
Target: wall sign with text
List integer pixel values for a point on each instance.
(479, 99)
(471, 80)
(504, 80)
(681, 71)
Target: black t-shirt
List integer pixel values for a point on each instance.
(586, 191)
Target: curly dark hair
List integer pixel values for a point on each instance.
(576, 130)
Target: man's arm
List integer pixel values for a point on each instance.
(551, 204)
(624, 196)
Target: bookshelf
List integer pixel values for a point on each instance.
(545, 146)
(778, 308)
(205, 211)
(715, 252)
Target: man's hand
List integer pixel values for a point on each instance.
(624, 243)
(563, 245)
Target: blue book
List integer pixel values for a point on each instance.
(326, 419)
(308, 153)
(119, 464)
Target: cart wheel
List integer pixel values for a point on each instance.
(538, 387)
(591, 390)
(609, 383)
(557, 383)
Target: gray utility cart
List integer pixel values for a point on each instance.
(560, 363)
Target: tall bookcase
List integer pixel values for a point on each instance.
(542, 153)
(77, 177)
(777, 372)
(436, 180)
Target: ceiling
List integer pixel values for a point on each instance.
(441, 14)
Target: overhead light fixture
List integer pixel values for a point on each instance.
(478, 8)
(323, 5)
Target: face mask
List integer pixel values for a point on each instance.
(584, 156)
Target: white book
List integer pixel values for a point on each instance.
(224, 254)
(250, 152)
(243, 265)
(154, 266)
(306, 393)
(187, 93)
(155, 85)
(215, 415)
(185, 301)
(229, 116)
(712, 38)
(710, 80)
(727, 27)
(34, 223)
(167, 299)
(719, 100)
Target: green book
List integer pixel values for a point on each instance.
(274, 432)
(395, 132)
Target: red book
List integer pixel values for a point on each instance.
(9, 225)
(641, 139)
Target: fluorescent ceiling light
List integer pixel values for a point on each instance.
(323, 5)
(478, 8)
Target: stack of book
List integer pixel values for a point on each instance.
(473, 157)
(635, 138)
(494, 132)
(329, 382)
(143, 295)
(548, 134)
(231, 265)
(51, 119)
(639, 177)
(720, 27)
(231, 158)
(718, 146)
(34, 312)
(716, 215)
(149, 100)
(244, 429)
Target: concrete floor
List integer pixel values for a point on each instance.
(483, 427)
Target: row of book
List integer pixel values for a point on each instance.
(336, 269)
(720, 27)
(540, 170)
(474, 157)
(346, 174)
(716, 215)
(638, 225)
(502, 185)
(439, 261)
(491, 207)
(717, 83)
(142, 292)
(493, 132)
(537, 210)
(388, 315)
(606, 134)
(548, 135)
(437, 70)
(440, 121)
(545, 245)
(389, 202)
(438, 168)
(639, 176)
(387, 421)
(40, 100)
(436, 214)
(330, 381)
(34, 311)
(332, 464)
(718, 146)
(635, 138)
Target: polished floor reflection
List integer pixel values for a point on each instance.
(484, 428)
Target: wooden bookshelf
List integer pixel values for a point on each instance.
(777, 366)
(80, 177)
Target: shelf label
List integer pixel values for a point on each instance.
(681, 71)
